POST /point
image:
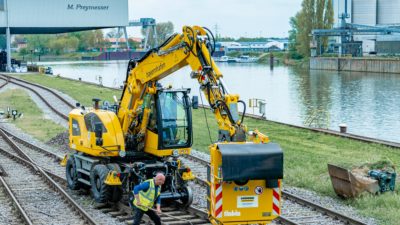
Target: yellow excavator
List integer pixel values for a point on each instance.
(117, 146)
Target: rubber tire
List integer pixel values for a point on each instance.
(72, 175)
(116, 192)
(101, 194)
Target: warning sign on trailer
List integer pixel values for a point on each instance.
(247, 201)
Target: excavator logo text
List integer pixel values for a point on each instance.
(156, 69)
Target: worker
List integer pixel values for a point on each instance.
(146, 193)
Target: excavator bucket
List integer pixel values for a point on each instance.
(348, 184)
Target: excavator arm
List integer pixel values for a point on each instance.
(194, 48)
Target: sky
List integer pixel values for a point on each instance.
(233, 18)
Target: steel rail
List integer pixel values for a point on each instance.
(42, 87)
(391, 144)
(292, 197)
(16, 203)
(30, 145)
(4, 84)
(62, 115)
(121, 207)
(317, 130)
(295, 198)
(23, 158)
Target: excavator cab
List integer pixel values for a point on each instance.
(170, 123)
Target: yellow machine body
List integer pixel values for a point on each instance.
(247, 201)
(82, 135)
(150, 126)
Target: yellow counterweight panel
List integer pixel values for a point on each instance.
(113, 140)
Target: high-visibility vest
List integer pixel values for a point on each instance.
(147, 198)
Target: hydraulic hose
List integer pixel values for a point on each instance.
(244, 110)
(227, 110)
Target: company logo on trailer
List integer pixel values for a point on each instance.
(231, 213)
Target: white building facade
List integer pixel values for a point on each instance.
(59, 16)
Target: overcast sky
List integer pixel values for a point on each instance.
(234, 18)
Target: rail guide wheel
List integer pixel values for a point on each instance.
(187, 198)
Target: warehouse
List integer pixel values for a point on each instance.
(59, 16)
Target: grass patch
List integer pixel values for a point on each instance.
(32, 121)
(306, 152)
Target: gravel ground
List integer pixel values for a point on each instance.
(85, 201)
(42, 204)
(199, 193)
(7, 213)
(60, 150)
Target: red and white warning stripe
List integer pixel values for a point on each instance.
(276, 197)
(218, 201)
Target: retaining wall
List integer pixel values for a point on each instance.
(356, 64)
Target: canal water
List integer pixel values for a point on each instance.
(369, 103)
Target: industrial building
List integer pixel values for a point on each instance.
(59, 16)
(376, 15)
(267, 46)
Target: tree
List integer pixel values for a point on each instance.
(115, 33)
(226, 39)
(57, 45)
(315, 14)
(39, 42)
(292, 39)
(23, 52)
(164, 30)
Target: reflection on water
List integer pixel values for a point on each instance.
(367, 102)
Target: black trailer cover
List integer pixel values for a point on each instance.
(251, 161)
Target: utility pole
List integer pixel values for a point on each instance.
(8, 38)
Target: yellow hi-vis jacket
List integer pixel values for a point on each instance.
(147, 198)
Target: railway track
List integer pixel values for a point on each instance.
(4, 83)
(49, 161)
(295, 210)
(63, 111)
(52, 99)
(38, 194)
(11, 211)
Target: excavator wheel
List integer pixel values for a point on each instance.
(188, 198)
(100, 191)
(115, 191)
(72, 175)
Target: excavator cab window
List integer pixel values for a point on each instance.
(90, 120)
(174, 119)
(76, 131)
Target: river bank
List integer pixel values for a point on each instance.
(306, 152)
(376, 65)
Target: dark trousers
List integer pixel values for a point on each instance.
(139, 214)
